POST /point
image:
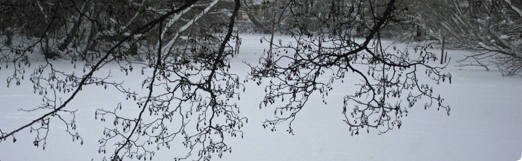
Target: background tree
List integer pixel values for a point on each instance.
(491, 27)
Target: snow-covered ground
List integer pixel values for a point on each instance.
(485, 123)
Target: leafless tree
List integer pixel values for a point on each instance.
(183, 48)
(189, 82)
(391, 79)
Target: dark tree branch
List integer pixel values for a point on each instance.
(86, 77)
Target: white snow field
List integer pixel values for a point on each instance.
(485, 123)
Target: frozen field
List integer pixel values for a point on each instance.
(485, 123)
